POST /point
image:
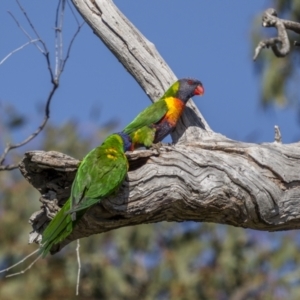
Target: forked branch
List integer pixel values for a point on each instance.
(60, 63)
(280, 44)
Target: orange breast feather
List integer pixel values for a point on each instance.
(175, 109)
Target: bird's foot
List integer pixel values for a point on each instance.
(157, 146)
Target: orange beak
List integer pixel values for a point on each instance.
(199, 90)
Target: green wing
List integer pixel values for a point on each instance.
(59, 228)
(151, 115)
(99, 175)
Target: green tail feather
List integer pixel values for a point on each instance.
(59, 228)
(100, 173)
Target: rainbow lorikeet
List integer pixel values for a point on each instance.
(159, 119)
(100, 173)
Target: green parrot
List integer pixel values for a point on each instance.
(159, 119)
(100, 173)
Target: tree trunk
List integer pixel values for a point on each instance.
(203, 177)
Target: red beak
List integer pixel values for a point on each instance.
(199, 90)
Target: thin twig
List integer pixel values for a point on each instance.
(70, 46)
(58, 36)
(21, 261)
(25, 270)
(31, 25)
(265, 44)
(25, 32)
(55, 77)
(61, 17)
(73, 13)
(45, 52)
(16, 50)
(79, 267)
(32, 136)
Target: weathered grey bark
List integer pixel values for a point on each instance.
(204, 177)
(280, 44)
(213, 180)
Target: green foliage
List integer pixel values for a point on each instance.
(279, 76)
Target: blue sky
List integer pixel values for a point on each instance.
(209, 40)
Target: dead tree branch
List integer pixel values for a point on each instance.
(212, 180)
(280, 44)
(60, 63)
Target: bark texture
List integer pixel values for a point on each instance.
(213, 180)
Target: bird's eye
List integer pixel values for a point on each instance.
(190, 82)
